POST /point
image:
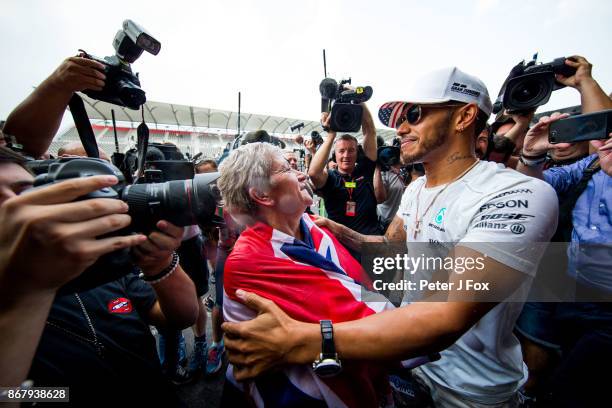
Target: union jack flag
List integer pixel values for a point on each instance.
(311, 279)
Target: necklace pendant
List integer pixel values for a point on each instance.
(417, 228)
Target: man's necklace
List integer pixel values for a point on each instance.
(417, 223)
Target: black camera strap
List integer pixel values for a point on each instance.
(143, 143)
(81, 120)
(566, 209)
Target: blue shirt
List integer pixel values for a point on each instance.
(589, 260)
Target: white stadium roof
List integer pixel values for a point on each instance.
(183, 116)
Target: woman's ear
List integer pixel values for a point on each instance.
(261, 198)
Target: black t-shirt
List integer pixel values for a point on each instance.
(122, 365)
(336, 196)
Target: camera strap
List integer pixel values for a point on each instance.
(81, 120)
(566, 209)
(143, 143)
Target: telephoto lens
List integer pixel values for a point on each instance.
(181, 202)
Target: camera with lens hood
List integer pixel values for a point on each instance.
(342, 101)
(181, 202)
(530, 85)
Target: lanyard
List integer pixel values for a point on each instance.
(351, 186)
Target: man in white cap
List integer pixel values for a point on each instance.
(479, 209)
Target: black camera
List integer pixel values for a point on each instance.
(122, 86)
(316, 138)
(345, 113)
(530, 85)
(181, 202)
(388, 156)
(405, 172)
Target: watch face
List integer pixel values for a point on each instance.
(327, 368)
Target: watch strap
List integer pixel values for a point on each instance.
(328, 348)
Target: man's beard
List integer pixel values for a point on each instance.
(427, 145)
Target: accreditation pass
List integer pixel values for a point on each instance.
(34, 394)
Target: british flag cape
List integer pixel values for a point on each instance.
(310, 280)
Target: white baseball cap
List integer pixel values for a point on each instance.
(442, 85)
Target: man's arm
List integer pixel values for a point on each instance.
(353, 239)
(273, 338)
(177, 303)
(536, 145)
(36, 120)
(369, 134)
(47, 240)
(380, 190)
(311, 149)
(592, 97)
(318, 165)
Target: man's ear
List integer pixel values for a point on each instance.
(260, 198)
(467, 116)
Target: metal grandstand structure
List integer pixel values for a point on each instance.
(192, 129)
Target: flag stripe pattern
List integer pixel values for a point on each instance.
(311, 279)
(390, 112)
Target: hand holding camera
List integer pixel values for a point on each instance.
(77, 74)
(536, 140)
(604, 150)
(47, 239)
(326, 123)
(155, 254)
(582, 74)
(310, 146)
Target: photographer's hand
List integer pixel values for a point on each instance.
(155, 254)
(536, 140)
(604, 150)
(45, 241)
(310, 146)
(36, 120)
(318, 166)
(536, 144)
(520, 128)
(77, 74)
(48, 238)
(177, 303)
(582, 75)
(593, 98)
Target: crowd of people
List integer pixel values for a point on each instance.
(294, 304)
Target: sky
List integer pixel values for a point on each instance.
(271, 50)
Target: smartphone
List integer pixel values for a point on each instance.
(590, 126)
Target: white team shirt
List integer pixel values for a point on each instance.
(490, 204)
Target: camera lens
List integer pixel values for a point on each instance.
(346, 117)
(529, 91)
(130, 94)
(181, 202)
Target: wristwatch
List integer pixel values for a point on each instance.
(328, 364)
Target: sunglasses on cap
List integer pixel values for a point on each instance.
(413, 113)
